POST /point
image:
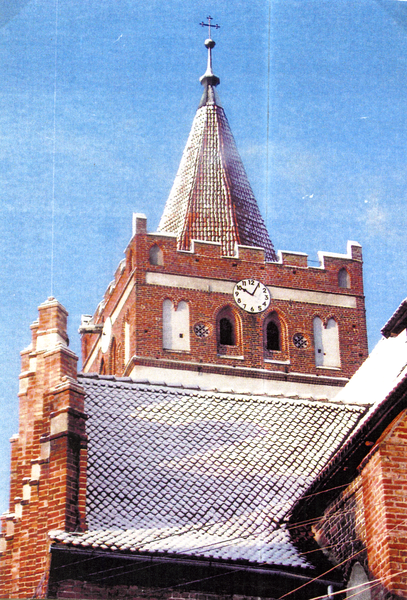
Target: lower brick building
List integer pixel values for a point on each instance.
(122, 487)
(356, 508)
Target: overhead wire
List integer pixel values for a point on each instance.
(54, 149)
(231, 540)
(358, 588)
(268, 110)
(404, 521)
(320, 576)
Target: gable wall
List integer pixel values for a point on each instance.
(48, 457)
(367, 522)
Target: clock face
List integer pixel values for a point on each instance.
(251, 295)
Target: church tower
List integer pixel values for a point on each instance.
(207, 301)
(202, 413)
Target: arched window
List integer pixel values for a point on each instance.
(113, 358)
(176, 326)
(226, 326)
(226, 332)
(272, 334)
(344, 279)
(102, 368)
(126, 341)
(326, 342)
(156, 256)
(358, 579)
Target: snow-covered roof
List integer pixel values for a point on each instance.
(397, 322)
(381, 372)
(201, 473)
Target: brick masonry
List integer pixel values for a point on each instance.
(48, 457)
(384, 478)
(130, 297)
(48, 465)
(367, 522)
(79, 589)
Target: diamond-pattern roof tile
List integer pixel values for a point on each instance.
(202, 473)
(211, 198)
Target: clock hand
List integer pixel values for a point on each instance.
(254, 291)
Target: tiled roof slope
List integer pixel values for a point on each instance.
(211, 198)
(203, 474)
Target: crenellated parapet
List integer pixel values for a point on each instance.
(317, 313)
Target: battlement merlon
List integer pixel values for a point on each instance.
(205, 259)
(353, 252)
(243, 252)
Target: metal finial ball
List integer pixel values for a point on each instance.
(210, 43)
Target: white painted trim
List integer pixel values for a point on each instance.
(348, 255)
(311, 375)
(123, 298)
(204, 284)
(163, 234)
(276, 362)
(225, 383)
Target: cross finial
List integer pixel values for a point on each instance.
(209, 24)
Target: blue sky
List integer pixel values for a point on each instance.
(325, 79)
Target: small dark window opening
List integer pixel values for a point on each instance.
(344, 279)
(156, 256)
(272, 336)
(226, 332)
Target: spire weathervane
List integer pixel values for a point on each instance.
(209, 25)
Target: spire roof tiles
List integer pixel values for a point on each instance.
(211, 198)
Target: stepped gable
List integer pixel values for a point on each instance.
(201, 473)
(211, 199)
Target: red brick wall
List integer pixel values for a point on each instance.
(144, 307)
(367, 522)
(48, 461)
(79, 590)
(385, 498)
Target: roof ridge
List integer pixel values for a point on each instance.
(245, 396)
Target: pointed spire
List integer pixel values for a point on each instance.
(209, 78)
(211, 198)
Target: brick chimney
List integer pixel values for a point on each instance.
(48, 456)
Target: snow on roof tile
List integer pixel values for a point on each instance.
(202, 474)
(397, 322)
(382, 372)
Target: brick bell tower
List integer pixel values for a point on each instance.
(207, 301)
